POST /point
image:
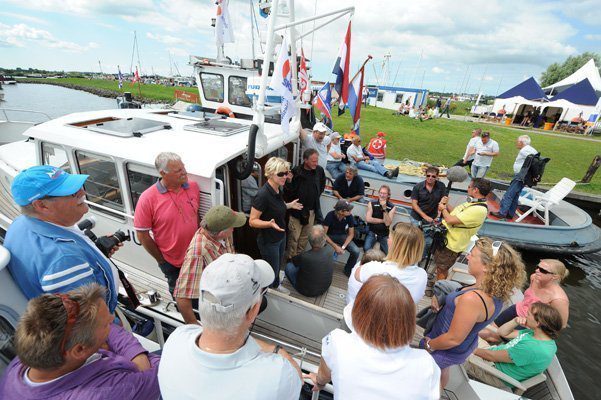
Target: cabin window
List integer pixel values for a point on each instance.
(212, 86)
(102, 187)
(55, 156)
(236, 91)
(139, 179)
(399, 98)
(380, 96)
(7, 346)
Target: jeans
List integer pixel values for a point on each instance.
(372, 166)
(336, 168)
(478, 171)
(291, 272)
(509, 202)
(171, 272)
(273, 253)
(352, 248)
(372, 238)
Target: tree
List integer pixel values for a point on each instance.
(556, 72)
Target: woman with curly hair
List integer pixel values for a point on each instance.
(498, 269)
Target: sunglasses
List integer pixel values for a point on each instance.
(283, 174)
(72, 309)
(431, 176)
(544, 271)
(496, 245)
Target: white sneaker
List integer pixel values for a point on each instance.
(282, 289)
(282, 276)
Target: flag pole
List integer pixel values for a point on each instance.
(369, 57)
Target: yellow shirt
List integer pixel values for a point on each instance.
(472, 217)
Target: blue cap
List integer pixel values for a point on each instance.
(44, 180)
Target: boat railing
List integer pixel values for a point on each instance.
(6, 112)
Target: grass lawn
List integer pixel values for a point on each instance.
(153, 92)
(442, 141)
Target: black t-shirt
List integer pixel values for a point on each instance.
(306, 186)
(427, 201)
(315, 273)
(377, 211)
(272, 205)
(336, 226)
(347, 191)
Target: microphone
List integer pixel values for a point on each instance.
(455, 174)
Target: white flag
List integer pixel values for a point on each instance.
(223, 27)
(281, 82)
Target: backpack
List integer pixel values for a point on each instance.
(535, 165)
(361, 229)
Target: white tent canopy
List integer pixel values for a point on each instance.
(587, 71)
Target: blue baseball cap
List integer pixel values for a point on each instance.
(44, 180)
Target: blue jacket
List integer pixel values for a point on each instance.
(46, 258)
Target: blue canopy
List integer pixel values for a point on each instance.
(579, 93)
(529, 89)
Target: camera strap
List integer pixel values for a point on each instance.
(129, 288)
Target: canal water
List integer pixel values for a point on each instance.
(579, 345)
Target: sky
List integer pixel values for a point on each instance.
(468, 46)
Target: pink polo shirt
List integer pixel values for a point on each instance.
(172, 218)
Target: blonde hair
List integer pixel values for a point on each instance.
(558, 267)
(372, 255)
(504, 272)
(275, 165)
(407, 245)
(42, 327)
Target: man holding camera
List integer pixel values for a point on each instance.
(49, 253)
(169, 209)
(461, 222)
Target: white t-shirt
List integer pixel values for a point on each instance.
(322, 148)
(470, 144)
(334, 148)
(187, 372)
(412, 277)
(521, 157)
(361, 371)
(490, 146)
(354, 151)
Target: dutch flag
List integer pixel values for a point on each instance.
(341, 70)
(355, 98)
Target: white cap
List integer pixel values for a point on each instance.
(320, 127)
(336, 135)
(232, 281)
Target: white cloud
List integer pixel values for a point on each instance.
(20, 35)
(23, 17)
(593, 37)
(438, 70)
(166, 39)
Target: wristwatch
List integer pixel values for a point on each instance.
(427, 345)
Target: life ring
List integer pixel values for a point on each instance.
(225, 111)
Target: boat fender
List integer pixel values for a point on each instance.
(241, 166)
(225, 111)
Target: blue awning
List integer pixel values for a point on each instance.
(529, 89)
(580, 93)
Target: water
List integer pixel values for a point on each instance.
(579, 345)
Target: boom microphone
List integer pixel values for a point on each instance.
(455, 174)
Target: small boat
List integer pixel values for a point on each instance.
(570, 230)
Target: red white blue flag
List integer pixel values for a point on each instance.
(120, 77)
(341, 70)
(281, 82)
(323, 99)
(303, 78)
(355, 98)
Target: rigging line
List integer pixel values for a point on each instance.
(138, 52)
(133, 49)
(376, 74)
(397, 72)
(313, 35)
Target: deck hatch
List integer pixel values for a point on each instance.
(126, 127)
(217, 127)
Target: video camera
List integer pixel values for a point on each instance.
(104, 243)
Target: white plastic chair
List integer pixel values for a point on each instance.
(542, 203)
(520, 387)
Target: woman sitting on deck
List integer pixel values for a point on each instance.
(406, 245)
(498, 269)
(375, 360)
(530, 351)
(545, 288)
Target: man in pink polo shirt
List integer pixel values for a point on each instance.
(169, 209)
